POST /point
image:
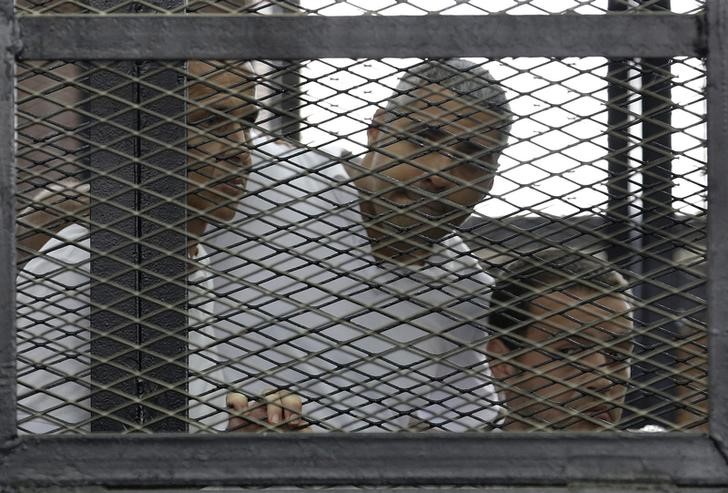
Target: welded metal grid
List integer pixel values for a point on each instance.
(667, 387)
(69, 127)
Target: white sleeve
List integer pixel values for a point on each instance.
(466, 399)
(53, 342)
(207, 388)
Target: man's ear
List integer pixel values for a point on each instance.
(497, 350)
(373, 132)
(486, 185)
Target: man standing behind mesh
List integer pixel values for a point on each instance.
(54, 333)
(348, 285)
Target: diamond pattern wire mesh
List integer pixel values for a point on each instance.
(162, 286)
(361, 7)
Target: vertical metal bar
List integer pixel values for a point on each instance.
(717, 18)
(619, 228)
(114, 308)
(287, 103)
(619, 216)
(657, 216)
(138, 319)
(162, 279)
(8, 41)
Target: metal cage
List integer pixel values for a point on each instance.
(148, 42)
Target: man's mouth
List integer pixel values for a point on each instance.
(233, 181)
(419, 205)
(433, 209)
(230, 188)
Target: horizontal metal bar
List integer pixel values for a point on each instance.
(304, 37)
(363, 459)
(577, 488)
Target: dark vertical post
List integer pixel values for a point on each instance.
(138, 292)
(8, 40)
(621, 218)
(620, 226)
(717, 18)
(287, 104)
(162, 252)
(658, 224)
(114, 311)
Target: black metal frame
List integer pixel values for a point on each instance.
(115, 314)
(681, 460)
(177, 37)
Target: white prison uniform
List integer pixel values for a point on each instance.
(53, 341)
(303, 305)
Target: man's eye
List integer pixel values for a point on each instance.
(478, 166)
(429, 136)
(616, 356)
(421, 136)
(571, 350)
(413, 140)
(213, 122)
(402, 137)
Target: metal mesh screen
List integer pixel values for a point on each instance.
(360, 7)
(493, 245)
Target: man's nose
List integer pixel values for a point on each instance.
(435, 170)
(234, 154)
(233, 166)
(599, 378)
(241, 144)
(246, 161)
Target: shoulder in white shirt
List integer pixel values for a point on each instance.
(53, 340)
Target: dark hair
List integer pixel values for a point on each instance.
(468, 80)
(540, 273)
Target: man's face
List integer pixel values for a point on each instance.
(572, 372)
(221, 110)
(431, 162)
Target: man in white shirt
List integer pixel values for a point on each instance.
(347, 285)
(53, 287)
